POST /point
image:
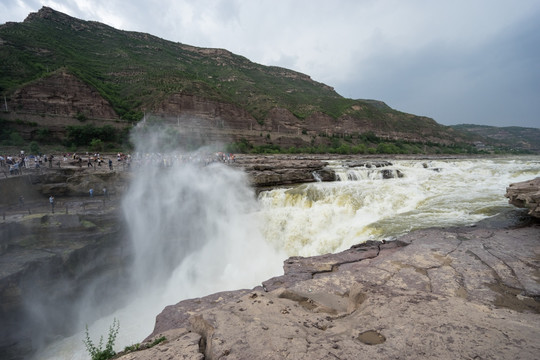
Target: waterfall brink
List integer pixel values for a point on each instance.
(198, 215)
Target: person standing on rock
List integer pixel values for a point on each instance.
(51, 201)
(91, 192)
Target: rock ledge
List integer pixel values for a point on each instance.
(435, 293)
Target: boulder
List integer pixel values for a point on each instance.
(525, 194)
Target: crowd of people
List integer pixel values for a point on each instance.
(179, 158)
(16, 164)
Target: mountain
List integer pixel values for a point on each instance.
(72, 81)
(521, 138)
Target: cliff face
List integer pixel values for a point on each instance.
(62, 94)
(55, 102)
(51, 265)
(62, 99)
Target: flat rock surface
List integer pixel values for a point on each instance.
(458, 293)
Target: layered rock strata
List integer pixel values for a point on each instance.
(438, 293)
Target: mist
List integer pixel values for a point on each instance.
(192, 221)
(193, 229)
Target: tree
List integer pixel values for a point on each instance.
(96, 145)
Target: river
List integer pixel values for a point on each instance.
(200, 230)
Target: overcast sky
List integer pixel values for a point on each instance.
(459, 61)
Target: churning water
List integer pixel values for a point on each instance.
(198, 228)
(370, 203)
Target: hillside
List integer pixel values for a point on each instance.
(71, 81)
(512, 136)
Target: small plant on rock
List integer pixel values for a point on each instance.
(96, 352)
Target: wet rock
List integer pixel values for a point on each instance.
(267, 171)
(525, 194)
(46, 263)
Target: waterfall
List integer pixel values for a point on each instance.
(194, 230)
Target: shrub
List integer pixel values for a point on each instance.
(80, 116)
(96, 352)
(34, 147)
(16, 139)
(96, 145)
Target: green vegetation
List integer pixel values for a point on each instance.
(134, 71)
(367, 143)
(506, 139)
(34, 148)
(138, 346)
(97, 352)
(98, 138)
(9, 136)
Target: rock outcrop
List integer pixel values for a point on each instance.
(438, 293)
(525, 194)
(37, 185)
(276, 170)
(63, 94)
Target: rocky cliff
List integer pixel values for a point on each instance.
(61, 100)
(50, 264)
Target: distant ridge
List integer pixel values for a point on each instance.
(522, 138)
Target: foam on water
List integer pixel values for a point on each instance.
(328, 217)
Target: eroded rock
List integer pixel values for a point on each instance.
(436, 293)
(525, 194)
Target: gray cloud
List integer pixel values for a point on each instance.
(458, 62)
